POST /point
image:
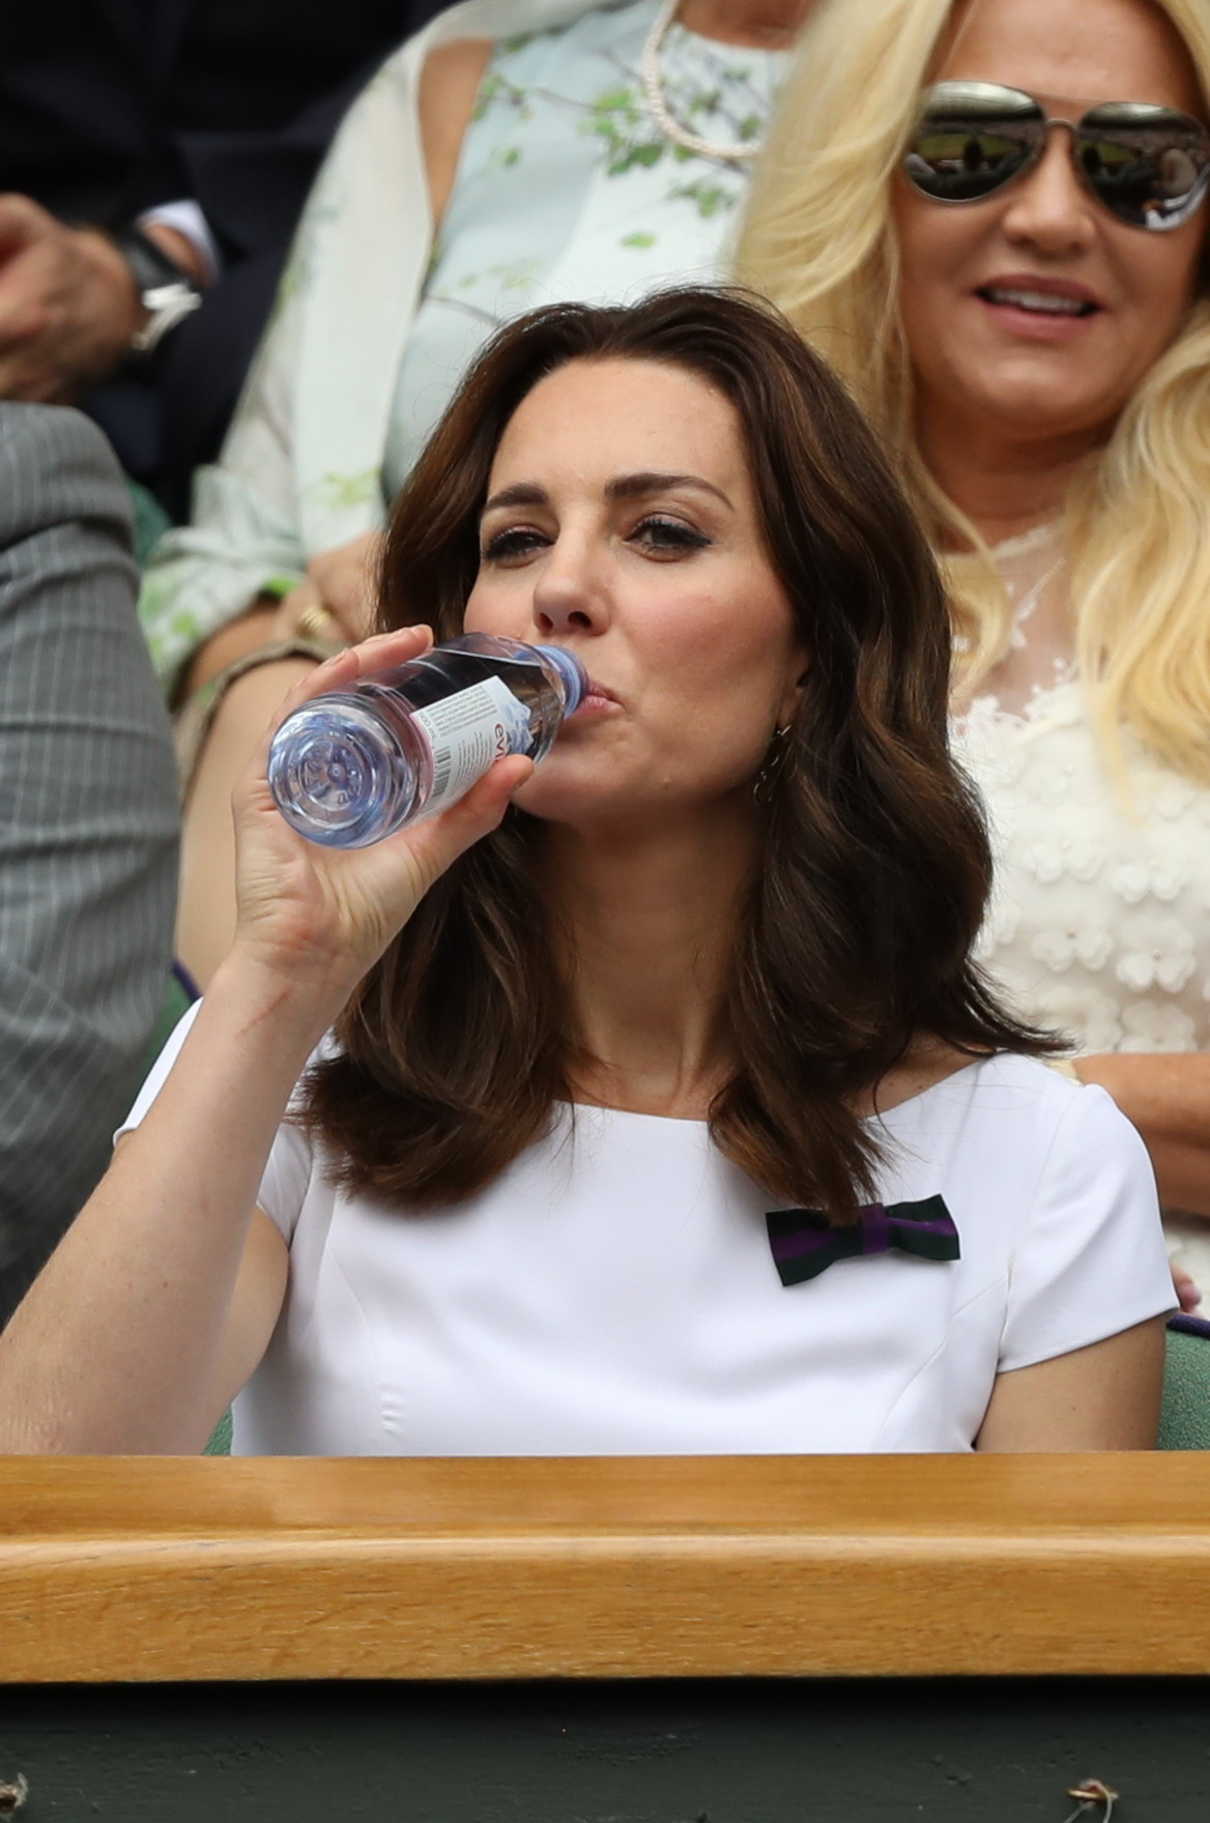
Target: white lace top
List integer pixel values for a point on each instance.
(1100, 917)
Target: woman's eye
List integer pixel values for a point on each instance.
(516, 543)
(671, 536)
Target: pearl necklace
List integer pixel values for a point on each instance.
(653, 89)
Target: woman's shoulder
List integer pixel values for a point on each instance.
(937, 1076)
(1041, 1174)
(451, 73)
(998, 1081)
(1023, 1112)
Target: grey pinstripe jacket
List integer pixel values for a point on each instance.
(88, 827)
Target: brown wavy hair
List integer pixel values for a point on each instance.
(856, 933)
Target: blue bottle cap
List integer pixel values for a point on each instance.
(575, 677)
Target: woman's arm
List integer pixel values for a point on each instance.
(1104, 1397)
(125, 1337)
(120, 1341)
(449, 88)
(1167, 1097)
(1081, 1347)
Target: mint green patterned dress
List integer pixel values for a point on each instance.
(612, 208)
(566, 188)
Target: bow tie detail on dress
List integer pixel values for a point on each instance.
(804, 1242)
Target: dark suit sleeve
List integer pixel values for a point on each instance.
(88, 836)
(108, 107)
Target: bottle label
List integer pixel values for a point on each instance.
(466, 732)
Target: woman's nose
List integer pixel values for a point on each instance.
(1050, 208)
(570, 594)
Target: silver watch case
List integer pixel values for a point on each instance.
(168, 304)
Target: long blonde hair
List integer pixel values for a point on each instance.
(818, 240)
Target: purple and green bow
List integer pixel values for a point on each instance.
(805, 1243)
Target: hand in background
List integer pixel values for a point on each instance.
(316, 918)
(337, 599)
(1188, 1294)
(68, 304)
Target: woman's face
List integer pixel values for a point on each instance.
(983, 363)
(621, 523)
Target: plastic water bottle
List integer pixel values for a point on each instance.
(355, 765)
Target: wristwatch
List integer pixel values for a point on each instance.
(166, 291)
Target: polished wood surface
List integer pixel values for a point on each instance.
(117, 1569)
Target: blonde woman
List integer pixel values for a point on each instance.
(1012, 275)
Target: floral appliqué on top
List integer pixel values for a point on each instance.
(1100, 915)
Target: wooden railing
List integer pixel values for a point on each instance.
(165, 1569)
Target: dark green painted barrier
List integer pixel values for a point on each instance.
(799, 1752)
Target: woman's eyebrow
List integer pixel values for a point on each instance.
(521, 493)
(631, 487)
(622, 487)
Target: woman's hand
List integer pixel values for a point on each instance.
(1188, 1292)
(337, 599)
(317, 918)
(68, 303)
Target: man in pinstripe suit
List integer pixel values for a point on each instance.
(88, 827)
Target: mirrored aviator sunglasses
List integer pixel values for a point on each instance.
(1148, 165)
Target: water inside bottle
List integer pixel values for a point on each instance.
(341, 773)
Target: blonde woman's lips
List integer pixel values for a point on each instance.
(1042, 291)
(1038, 308)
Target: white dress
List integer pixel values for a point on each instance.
(1100, 916)
(615, 1289)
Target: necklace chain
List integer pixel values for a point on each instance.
(652, 79)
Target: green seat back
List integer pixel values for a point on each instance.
(1185, 1418)
(174, 1004)
(220, 1442)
